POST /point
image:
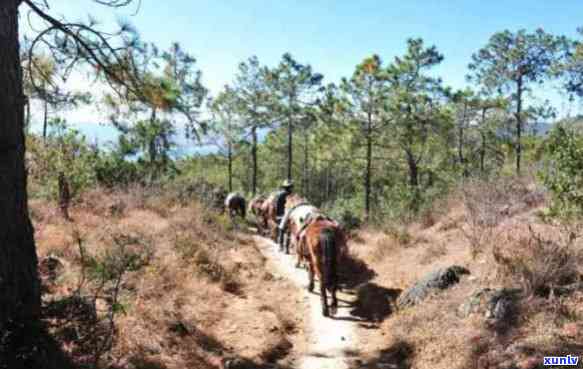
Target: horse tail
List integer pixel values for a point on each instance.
(328, 244)
(244, 207)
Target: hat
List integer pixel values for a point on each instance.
(287, 183)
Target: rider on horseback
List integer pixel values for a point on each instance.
(286, 190)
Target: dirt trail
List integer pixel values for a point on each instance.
(329, 342)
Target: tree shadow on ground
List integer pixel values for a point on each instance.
(27, 345)
(186, 334)
(73, 322)
(398, 356)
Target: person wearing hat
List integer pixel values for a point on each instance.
(287, 188)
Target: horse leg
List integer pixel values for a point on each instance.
(311, 277)
(316, 263)
(287, 242)
(300, 253)
(334, 309)
(324, 298)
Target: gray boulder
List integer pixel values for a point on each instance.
(496, 305)
(433, 282)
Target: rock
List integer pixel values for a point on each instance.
(433, 282)
(495, 305)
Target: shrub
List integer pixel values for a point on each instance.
(111, 170)
(64, 151)
(486, 204)
(562, 173)
(539, 264)
(344, 211)
(127, 253)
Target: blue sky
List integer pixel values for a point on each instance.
(333, 36)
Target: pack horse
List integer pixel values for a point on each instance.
(235, 205)
(323, 245)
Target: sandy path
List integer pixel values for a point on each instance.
(329, 342)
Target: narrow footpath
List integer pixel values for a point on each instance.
(330, 342)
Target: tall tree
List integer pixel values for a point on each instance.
(365, 99)
(572, 67)
(72, 43)
(253, 100)
(227, 126)
(294, 87)
(42, 71)
(148, 114)
(512, 63)
(465, 109)
(417, 103)
(492, 112)
(44, 81)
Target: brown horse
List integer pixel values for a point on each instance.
(256, 208)
(235, 204)
(323, 245)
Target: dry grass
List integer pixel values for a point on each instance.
(433, 252)
(537, 260)
(205, 292)
(506, 253)
(197, 297)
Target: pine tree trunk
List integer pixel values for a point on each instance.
(45, 119)
(289, 148)
(306, 177)
(19, 283)
(368, 173)
(230, 166)
(461, 127)
(254, 159)
(328, 183)
(28, 118)
(413, 171)
(483, 145)
(519, 91)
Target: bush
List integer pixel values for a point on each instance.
(562, 173)
(487, 203)
(112, 171)
(539, 264)
(344, 211)
(64, 151)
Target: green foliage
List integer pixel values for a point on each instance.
(509, 57)
(112, 170)
(65, 151)
(160, 95)
(511, 63)
(128, 253)
(345, 211)
(572, 67)
(563, 172)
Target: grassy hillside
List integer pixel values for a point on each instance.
(192, 290)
